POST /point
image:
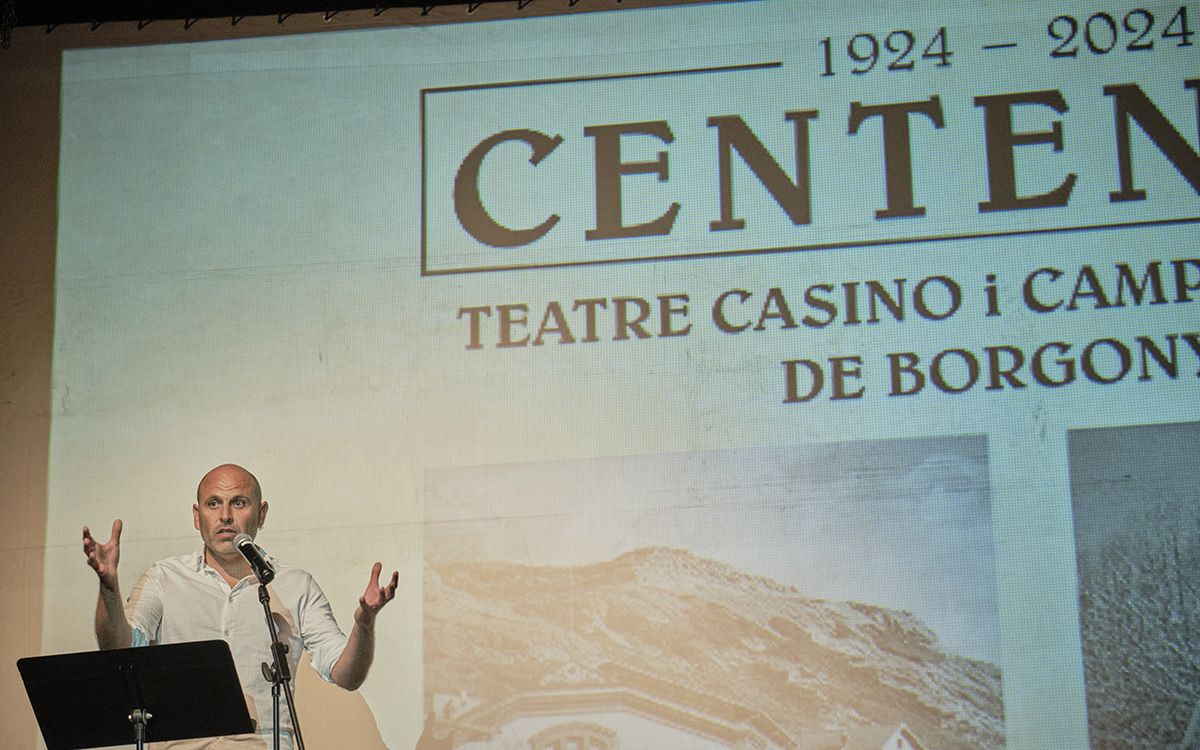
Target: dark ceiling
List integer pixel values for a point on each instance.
(49, 13)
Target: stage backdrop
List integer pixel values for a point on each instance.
(762, 374)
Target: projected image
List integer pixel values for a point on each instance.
(828, 596)
(1137, 535)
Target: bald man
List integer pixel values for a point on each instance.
(212, 593)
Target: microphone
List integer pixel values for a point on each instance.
(262, 569)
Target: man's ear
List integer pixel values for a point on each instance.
(196, 516)
(262, 512)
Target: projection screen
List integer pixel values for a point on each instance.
(763, 374)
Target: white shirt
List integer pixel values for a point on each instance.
(183, 599)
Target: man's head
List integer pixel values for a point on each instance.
(228, 502)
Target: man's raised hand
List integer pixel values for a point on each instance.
(103, 558)
(375, 597)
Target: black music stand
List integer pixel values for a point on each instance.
(155, 693)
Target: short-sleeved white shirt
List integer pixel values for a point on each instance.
(183, 599)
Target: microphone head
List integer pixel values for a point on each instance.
(263, 571)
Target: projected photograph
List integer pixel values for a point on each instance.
(1137, 536)
(812, 597)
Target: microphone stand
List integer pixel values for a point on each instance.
(279, 674)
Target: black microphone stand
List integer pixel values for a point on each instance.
(279, 674)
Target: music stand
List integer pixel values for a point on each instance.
(96, 698)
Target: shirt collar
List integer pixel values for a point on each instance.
(199, 565)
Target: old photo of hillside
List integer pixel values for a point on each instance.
(811, 597)
(1137, 538)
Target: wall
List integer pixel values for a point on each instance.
(29, 140)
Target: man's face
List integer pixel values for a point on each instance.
(228, 503)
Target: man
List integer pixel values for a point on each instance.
(213, 593)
